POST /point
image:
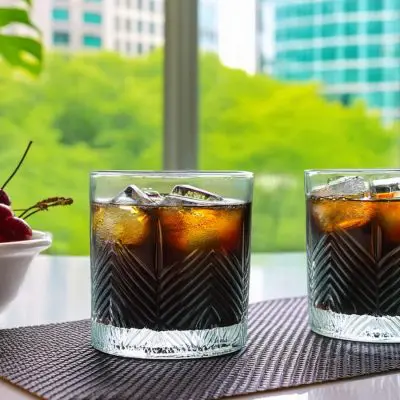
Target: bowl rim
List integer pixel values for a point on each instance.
(39, 239)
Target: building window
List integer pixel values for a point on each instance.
(92, 18)
(92, 41)
(375, 27)
(139, 48)
(117, 24)
(329, 30)
(328, 8)
(350, 28)
(375, 99)
(329, 53)
(375, 75)
(351, 5)
(152, 6)
(151, 27)
(351, 52)
(128, 47)
(375, 5)
(128, 25)
(60, 14)
(351, 75)
(60, 38)
(374, 51)
(140, 26)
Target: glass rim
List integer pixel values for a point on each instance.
(174, 173)
(311, 172)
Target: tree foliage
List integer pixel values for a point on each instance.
(102, 111)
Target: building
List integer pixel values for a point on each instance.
(130, 27)
(353, 46)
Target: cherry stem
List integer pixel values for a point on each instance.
(19, 164)
(45, 205)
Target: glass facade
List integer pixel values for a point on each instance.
(351, 45)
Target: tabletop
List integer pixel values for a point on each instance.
(57, 289)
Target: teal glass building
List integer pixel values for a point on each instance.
(353, 46)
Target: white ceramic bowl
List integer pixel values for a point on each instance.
(15, 258)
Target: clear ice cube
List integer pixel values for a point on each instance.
(132, 195)
(192, 193)
(386, 186)
(344, 186)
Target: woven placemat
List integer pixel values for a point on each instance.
(57, 362)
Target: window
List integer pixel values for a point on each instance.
(329, 53)
(139, 4)
(92, 18)
(352, 75)
(392, 100)
(117, 23)
(128, 47)
(375, 5)
(351, 52)
(351, 5)
(350, 28)
(92, 41)
(374, 27)
(375, 75)
(332, 77)
(139, 48)
(152, 5)
(374, 51)
(375, 99)
(60, 38)
(323, 49)
(329, 30)
(151, 27)
(128, 25)
(140, 26)
(60, 14)
(328, 7)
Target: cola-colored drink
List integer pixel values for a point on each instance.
(170, 267)
(354, 254)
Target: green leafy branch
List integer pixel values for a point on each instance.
(20, 51)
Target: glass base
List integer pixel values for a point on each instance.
(146, 343)
(361, 328)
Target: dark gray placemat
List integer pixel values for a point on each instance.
(56, 361)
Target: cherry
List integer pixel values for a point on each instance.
(14, 229)
(5, 212)
(4, 199)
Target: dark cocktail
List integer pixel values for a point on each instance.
(170, 272)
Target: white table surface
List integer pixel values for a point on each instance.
(57, 289)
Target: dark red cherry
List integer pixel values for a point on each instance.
(5, 212)
(4, 199)
(15, 229)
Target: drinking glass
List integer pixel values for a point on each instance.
(353, 251)
(170, 262)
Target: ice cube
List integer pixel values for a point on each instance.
(191, 192)
(386, 188)
(126, 224)
(132, 195)
(344, 186)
